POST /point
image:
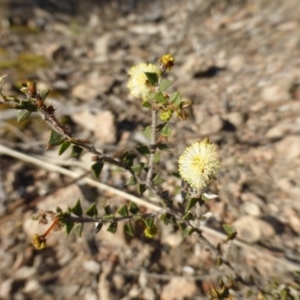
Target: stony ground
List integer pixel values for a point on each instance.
(238, 61)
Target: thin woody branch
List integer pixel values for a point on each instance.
(77, 219)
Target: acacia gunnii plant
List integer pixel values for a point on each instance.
(197, 166)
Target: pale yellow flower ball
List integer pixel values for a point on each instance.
(199, 164)
(138, 84)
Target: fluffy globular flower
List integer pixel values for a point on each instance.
(199, 164)
(138, 84)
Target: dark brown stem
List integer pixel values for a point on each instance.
(110, 220)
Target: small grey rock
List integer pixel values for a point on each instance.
(92, 266)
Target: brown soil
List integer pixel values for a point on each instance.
(238, 61)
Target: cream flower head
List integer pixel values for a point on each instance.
(138, 84)
(199, 164)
